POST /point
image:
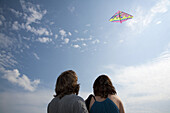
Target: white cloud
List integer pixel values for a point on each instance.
(146, 83)
(5, 41)
(84, 44)
(75, 31)
(76, 46)
(158, 22)
(17, 13)
(105, 42)
(40, 31)
(78, 39)
(85, 39)
(29, 28)
(15, 25)
(138, 20)
(2, 18)
(95, 41)
(44, 12)
(27, 46)
(7, 59)
(71, 9)
(88, 25)
(9, 43)
(50, 33)
(62, 33)
(121, 41)
(51, 23)
(161, 7)
(56, 36)
(90, 38)
(32, 14)
(23, 4)
(36, 56)
(25, 102)
(66, 40)
(85, 31)
(44, 40)
(26, 38)
(35, 14)
(14, 77)
(69, 34)
(142, 18)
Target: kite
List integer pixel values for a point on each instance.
(120, 16)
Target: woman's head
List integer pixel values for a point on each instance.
(66, 84)
(103, 86)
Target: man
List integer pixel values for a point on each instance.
(66, 99)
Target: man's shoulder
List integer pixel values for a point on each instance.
(54, 100)
(71, 99)
(74, 97)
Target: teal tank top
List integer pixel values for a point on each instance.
(106, 106)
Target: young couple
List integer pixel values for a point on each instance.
(66, 100)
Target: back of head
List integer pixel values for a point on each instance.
(66, 84)
(103, 86)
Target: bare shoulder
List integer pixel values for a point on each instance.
(91, 102)
(116, 99)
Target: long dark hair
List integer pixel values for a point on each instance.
(103, 86)
(66, 84)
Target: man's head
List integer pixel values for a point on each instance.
(66, 84)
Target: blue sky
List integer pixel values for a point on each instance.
(41, 39)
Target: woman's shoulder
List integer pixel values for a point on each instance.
(92, 100)
(116, 99)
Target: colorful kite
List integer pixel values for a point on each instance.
(120, 16)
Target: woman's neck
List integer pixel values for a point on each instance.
(99, 98)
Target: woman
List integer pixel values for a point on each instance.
(105, 99)
(66, 99)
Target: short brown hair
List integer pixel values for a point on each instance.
(103, 86)
(66, 84)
